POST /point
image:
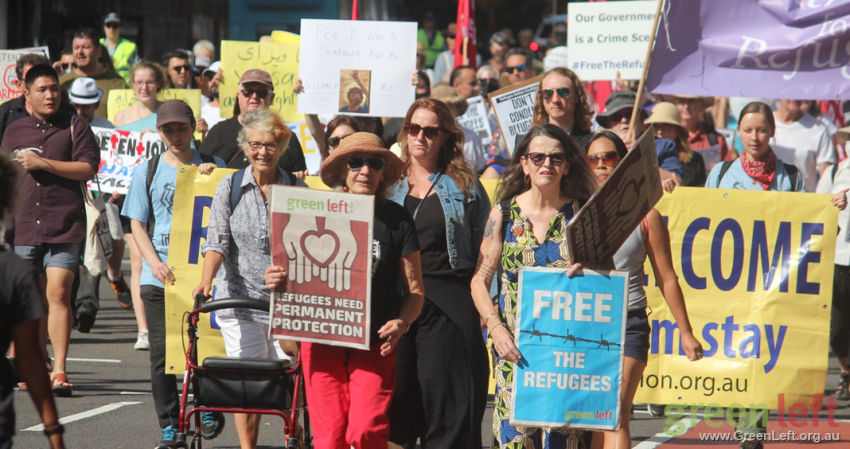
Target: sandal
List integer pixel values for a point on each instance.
(63, 388)
(842, 393)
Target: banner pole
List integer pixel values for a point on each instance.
(465, 48)
(637, 105)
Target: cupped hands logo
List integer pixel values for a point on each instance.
(322, 248)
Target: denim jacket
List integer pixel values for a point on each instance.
(465, 216)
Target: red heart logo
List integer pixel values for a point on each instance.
(324, 245)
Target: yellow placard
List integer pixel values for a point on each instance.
(193, 196)
(756, 270)
(120, 99)
(285, 37)
(279, 60)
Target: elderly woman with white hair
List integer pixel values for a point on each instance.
(237, 249)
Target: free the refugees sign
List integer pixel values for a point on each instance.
(570, 332)
(324, 240)
(120, 153)
(618, 207)
(514, 107)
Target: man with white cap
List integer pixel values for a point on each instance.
(211, 111)
(85, 96)
(256, 90)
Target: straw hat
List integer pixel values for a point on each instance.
(706, 101)
(365, 144)
(666, 113)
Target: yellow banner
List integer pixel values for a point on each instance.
(193, 196)
(120, 99)
(756, 269)
(279, 60)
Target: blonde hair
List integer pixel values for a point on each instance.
(452, 160)
(157, 74)
(582, 115)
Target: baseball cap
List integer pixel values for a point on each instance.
(257, 76)
(112, 18)
(174, 111)
(84, 91)
(202, 62)
(213, 69)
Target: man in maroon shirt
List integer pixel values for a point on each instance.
(51, 220)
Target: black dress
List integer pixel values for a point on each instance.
(442, 364)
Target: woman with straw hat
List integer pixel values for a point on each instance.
(349, 390)
(668, 125)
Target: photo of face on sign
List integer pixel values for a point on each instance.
(354, 90)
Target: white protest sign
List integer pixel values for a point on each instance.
(475, 118)
(710, 155)
(43, 50)
(514, 107)
(120, 153)
(729, 135)
(312, 155)
(357, 67)
(8, 62)
(605, 37)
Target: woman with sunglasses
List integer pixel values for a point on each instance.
(544, 186)
(349, 390)
(338, 129)
(237, 247)
(652, 239)
(441, 381)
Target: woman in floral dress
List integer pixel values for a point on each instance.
(544, 187)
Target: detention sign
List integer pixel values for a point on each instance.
(324, 240)
(605, 37)
(570, 332)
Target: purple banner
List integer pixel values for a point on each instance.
(794, 49)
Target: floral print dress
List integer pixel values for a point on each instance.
(521, 248)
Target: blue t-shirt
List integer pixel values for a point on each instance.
(148, 122)
(736, 178)
(137, 206)
(668, 158)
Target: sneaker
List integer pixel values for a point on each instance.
(212, 424)
(843, 391)
(169, 438)
(142, 343)
(85, 316)
(125, 299)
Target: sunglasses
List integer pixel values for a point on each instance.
(65, 65)
(609, 158)
(563, 92)
(335, 141)
(618, 117)
(557, 159)
(261, 93)
(181, 68)
(520, 67)
(112, 25)
(374, 163)
(430, 131)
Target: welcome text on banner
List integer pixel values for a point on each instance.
(193, 197)
(756, 270)
(281, 61)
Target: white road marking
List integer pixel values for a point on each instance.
(137, 393)
(94, 360)
(83, 415)
(662, 437)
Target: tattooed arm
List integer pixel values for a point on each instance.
(488, 260)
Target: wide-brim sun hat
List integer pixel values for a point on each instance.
(360, 144)
(666, 113)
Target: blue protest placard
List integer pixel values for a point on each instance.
(570, 332)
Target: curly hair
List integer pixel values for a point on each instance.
(578, 183)
(8, 189)
(153, 67)
(582, 115)
(264, 119)
(452, 160)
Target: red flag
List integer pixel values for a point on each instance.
(832, 110)
(355, 11)
(465, 37)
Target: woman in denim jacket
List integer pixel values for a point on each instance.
(441, 369)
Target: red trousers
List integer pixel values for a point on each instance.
(348, 395)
